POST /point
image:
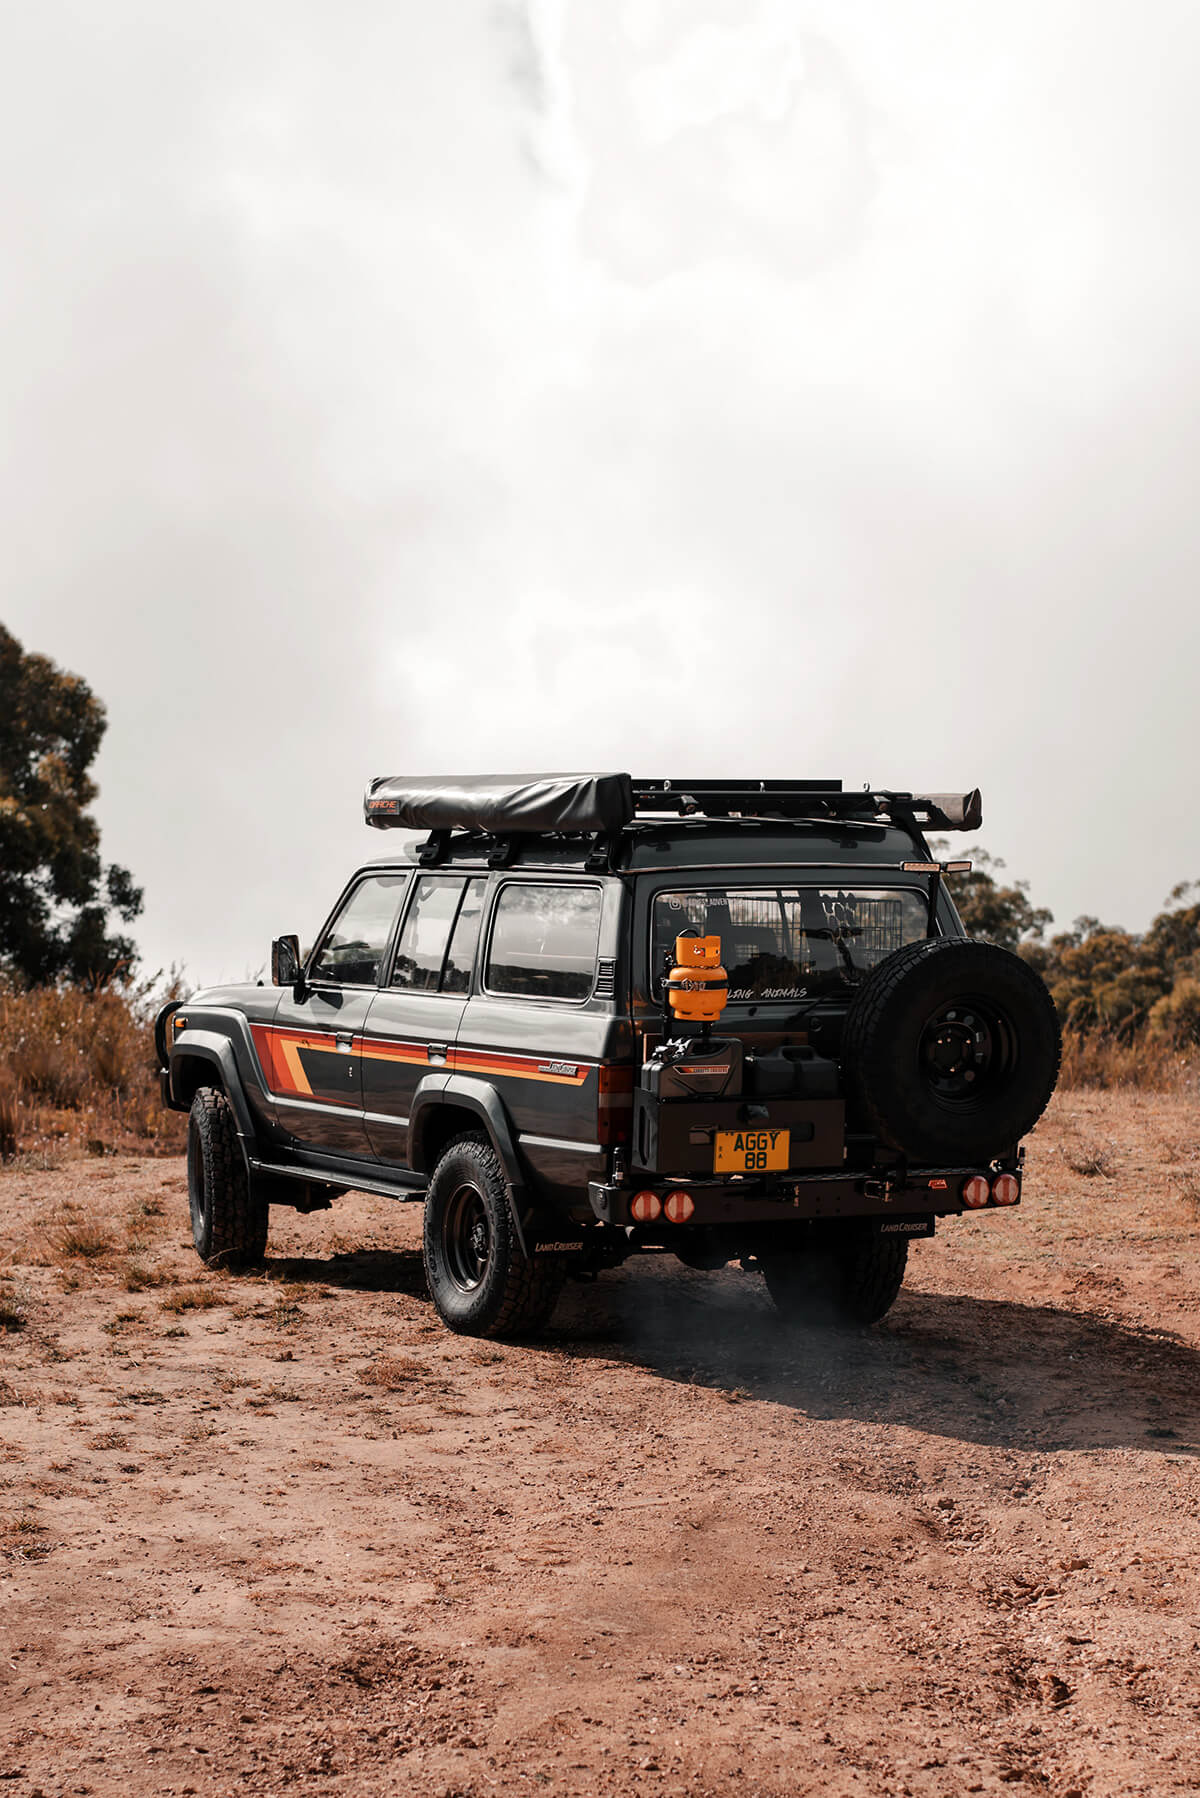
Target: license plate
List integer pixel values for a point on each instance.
(750, 1151)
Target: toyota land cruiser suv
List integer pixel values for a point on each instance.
(590, 1016)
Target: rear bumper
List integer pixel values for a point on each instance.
(919, 1193)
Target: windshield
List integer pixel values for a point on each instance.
(784, 943)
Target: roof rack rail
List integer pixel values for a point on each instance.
(717, 798)
(812, 799)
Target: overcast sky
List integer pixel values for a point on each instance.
(803, 388)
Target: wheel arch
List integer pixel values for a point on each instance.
(447, 1105)
(203, 1058)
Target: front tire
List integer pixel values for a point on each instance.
(850, 1281)
(481, 1283)
(229, 1219)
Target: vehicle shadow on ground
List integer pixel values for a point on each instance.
(357, 1270)
(991, 1371)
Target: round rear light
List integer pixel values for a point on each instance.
(1006, 1189)
(976, 1191)
(679, 1206)
(644, 1207)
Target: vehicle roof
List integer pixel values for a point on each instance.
(695, 843)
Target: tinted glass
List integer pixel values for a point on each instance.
(426, 932)
(791, 942)
(544, 941)
(353, 949)
(456, 976)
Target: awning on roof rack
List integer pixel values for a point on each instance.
(500, 803)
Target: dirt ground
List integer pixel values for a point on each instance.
(282, 1531)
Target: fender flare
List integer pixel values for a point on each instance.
(485, 1102)
(217, 1050)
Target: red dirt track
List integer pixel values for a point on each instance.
(283, 1532)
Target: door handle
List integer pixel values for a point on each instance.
(344, 1043)
(438, 1051)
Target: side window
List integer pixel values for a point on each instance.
(456, 976)
(354, 943)
(426, 934)
(544, 941)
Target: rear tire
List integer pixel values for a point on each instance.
(229, 1218)
(850, 1281)
(481, 1282)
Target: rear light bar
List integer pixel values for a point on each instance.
(678, 1207)
(1001, 1189)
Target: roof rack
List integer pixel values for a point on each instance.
(505, 808)
(813, 799)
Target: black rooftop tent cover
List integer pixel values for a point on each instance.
(498, 803)
(509, 804)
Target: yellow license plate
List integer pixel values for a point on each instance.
(750, 1151)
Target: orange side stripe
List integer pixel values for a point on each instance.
(279, 1047)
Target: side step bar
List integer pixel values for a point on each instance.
(400, 1186)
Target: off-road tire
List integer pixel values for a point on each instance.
(906, 1015)
(229, 1218)
(481, 1282)
(853, 1280)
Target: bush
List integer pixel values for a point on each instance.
(78, 1067)
(1097, 1058)
(1176, 1016)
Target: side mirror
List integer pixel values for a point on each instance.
(285, 961)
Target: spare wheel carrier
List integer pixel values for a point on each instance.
(951, 1050)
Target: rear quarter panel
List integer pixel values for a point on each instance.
(543, 1058)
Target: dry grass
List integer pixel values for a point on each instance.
(393, 1371)
(10, 1115)
(1091, 1159)
(192, 1298)
(82, 1239)
(1189, 1192)
(1092, 1058)
(136, 1278)
(77, 1071)
(13, 1314)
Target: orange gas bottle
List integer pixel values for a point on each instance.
(697, 986)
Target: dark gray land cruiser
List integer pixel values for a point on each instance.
(590, 1016)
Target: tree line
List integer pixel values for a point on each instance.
(1103, 978)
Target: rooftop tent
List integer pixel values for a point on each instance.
(500, 803)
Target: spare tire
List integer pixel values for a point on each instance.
(950, 1051)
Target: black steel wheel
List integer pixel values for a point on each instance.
(466, 1238)
(481, 1281)
(950, 1051)
(229, 1217)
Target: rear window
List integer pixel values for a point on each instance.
(786, 943)
(544, 941)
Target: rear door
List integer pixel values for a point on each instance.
(415, 1016)
(310, 1054)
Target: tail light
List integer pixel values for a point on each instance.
(614, 1106)
(678, 1207)
(1006, 1189)
(644, 1207)
(976, 1191)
